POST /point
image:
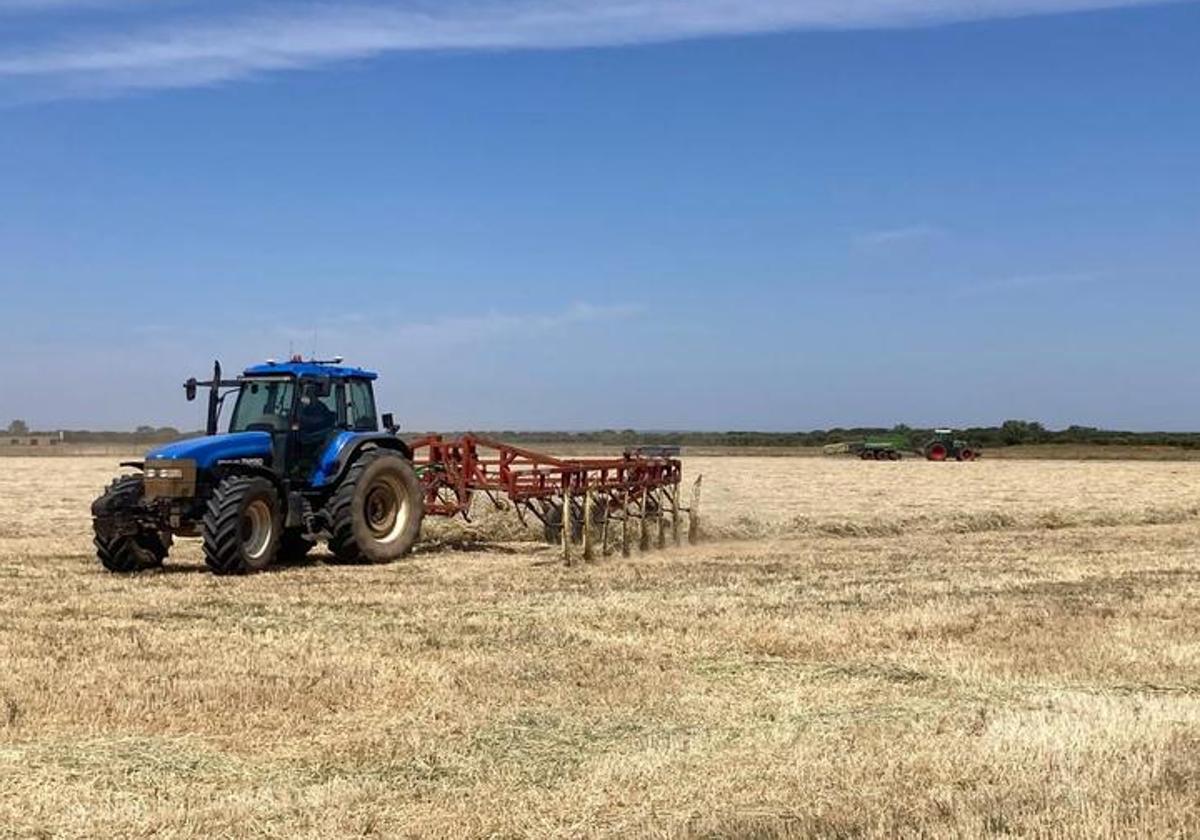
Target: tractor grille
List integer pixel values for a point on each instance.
(170, 480)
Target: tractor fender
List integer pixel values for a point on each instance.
(222, 469)
(345, 449)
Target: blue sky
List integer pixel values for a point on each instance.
(620, 213)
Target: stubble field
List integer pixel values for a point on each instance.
(860, 650)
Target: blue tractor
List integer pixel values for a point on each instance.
(305, 460)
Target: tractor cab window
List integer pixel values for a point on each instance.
(263, 405)
(360, 406)
(319, 413)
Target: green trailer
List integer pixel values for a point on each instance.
(878, 450)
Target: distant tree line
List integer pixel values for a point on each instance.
(142, 435)
(1008, 433)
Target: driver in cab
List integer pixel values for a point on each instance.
(317, 420)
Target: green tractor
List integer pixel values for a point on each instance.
(946, 447)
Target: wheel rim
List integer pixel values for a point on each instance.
(386, 509)
(257, 528)
(937, 452)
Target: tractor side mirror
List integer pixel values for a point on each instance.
(389, 423)
(189, 387)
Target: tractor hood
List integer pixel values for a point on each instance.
(206, 451)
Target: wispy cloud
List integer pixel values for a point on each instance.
(899, 235)
(187, 44)
(28, 7)
(1026, 283)
(355, 334)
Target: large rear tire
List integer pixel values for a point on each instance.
(937, 452)
(127, 553)
(375, 515)
(243, 526)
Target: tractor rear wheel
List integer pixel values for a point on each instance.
(937, 452)
(375, 515)
(127, 553)
(243, 526)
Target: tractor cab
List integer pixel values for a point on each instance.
(292, 415)
(304, 406)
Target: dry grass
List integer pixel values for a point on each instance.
(843, 664)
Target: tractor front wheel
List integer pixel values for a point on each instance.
(243, 526)
(376, 513)
(125, 553)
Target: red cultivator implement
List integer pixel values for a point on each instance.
(591, 494)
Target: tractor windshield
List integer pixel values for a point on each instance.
(264, 405)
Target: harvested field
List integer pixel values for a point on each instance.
(864, 649)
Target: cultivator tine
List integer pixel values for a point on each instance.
(565, 526)
(587, 525)
(660, 518)
(643, 528)
(675, 537)
(694, 512)
(625, 522)
(605, 547)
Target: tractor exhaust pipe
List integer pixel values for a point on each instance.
(214, 400)
(214, 396)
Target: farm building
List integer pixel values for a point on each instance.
(31, 440)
